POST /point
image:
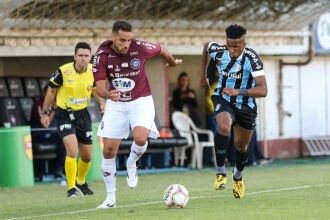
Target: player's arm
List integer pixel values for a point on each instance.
(99, 99)
(102, 91)
(260, 89)
(204, 82)
(171, 61)
(45, 111)
(55, 82)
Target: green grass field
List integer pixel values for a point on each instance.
(282, 190)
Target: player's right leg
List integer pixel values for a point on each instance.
(113, 127)
(223, 116)
(109, 171)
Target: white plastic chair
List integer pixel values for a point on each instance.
(188, 129)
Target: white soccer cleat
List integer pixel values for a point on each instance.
(132, 177)
(107, 204)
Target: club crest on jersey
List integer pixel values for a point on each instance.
(135, 63)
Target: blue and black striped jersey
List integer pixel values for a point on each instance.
(237, 74)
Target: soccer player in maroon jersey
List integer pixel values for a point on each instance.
(121, 61)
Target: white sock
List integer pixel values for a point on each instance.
(136, 152)
(109, 171)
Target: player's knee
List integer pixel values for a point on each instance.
(109, 152)
(86, 158)
(140, 141)
(241, 147)
(224, 129)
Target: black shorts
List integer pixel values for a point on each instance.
(81, 126)
(245, 117)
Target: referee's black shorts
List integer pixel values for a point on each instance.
(245, 117)
(81, 126)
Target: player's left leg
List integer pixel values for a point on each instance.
(141, 116)
(84, 163)
(139, 146)
(84, 136)
(241, 141)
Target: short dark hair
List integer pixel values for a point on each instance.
(121, 25)
(235, 31)
(82, 45)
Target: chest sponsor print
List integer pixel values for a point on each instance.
(123, 84)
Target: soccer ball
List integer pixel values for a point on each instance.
(176, 196)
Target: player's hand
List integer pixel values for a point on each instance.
(176, 62)
(45, 120)
(204, 83)
(230, 91)
(114, 95)
(102, 107)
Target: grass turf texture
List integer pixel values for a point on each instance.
(298, 189)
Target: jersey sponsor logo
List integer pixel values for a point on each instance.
(89, 133)
(55, 75)
(78, 101)
(124, 64)
(117, 68)
(111, 55)
(70, 80)
(99, 52)
(125, 96)
(134, 53)
(123, 84)
(135, 63)
(232, 75)
(217, 107)
(254, 58)
(67, 72)
(102, 125)
(120, 75)
(96, 60)
(110, 66)
(65, 126)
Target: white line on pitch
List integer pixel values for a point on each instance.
(156, 202)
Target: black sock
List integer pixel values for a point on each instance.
(241, 160)
(221, 144)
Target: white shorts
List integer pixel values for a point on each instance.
(120, 116)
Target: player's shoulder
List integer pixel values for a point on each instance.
(104, 48)
(249, 52)
(215, 47)
(66, 66)
(138, 44)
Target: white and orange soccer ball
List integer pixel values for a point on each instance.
(176, 196)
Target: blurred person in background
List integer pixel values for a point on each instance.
(184, 98)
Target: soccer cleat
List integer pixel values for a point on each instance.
(220, 182)
(84, 189)
(238, 188)
(73, 192)
(107, 204)
(132, 177)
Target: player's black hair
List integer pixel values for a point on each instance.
(235, 31)
(82, 45)
(121, 25)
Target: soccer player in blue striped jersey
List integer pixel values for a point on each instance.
(241, 80)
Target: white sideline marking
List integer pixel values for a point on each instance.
(155, 202)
